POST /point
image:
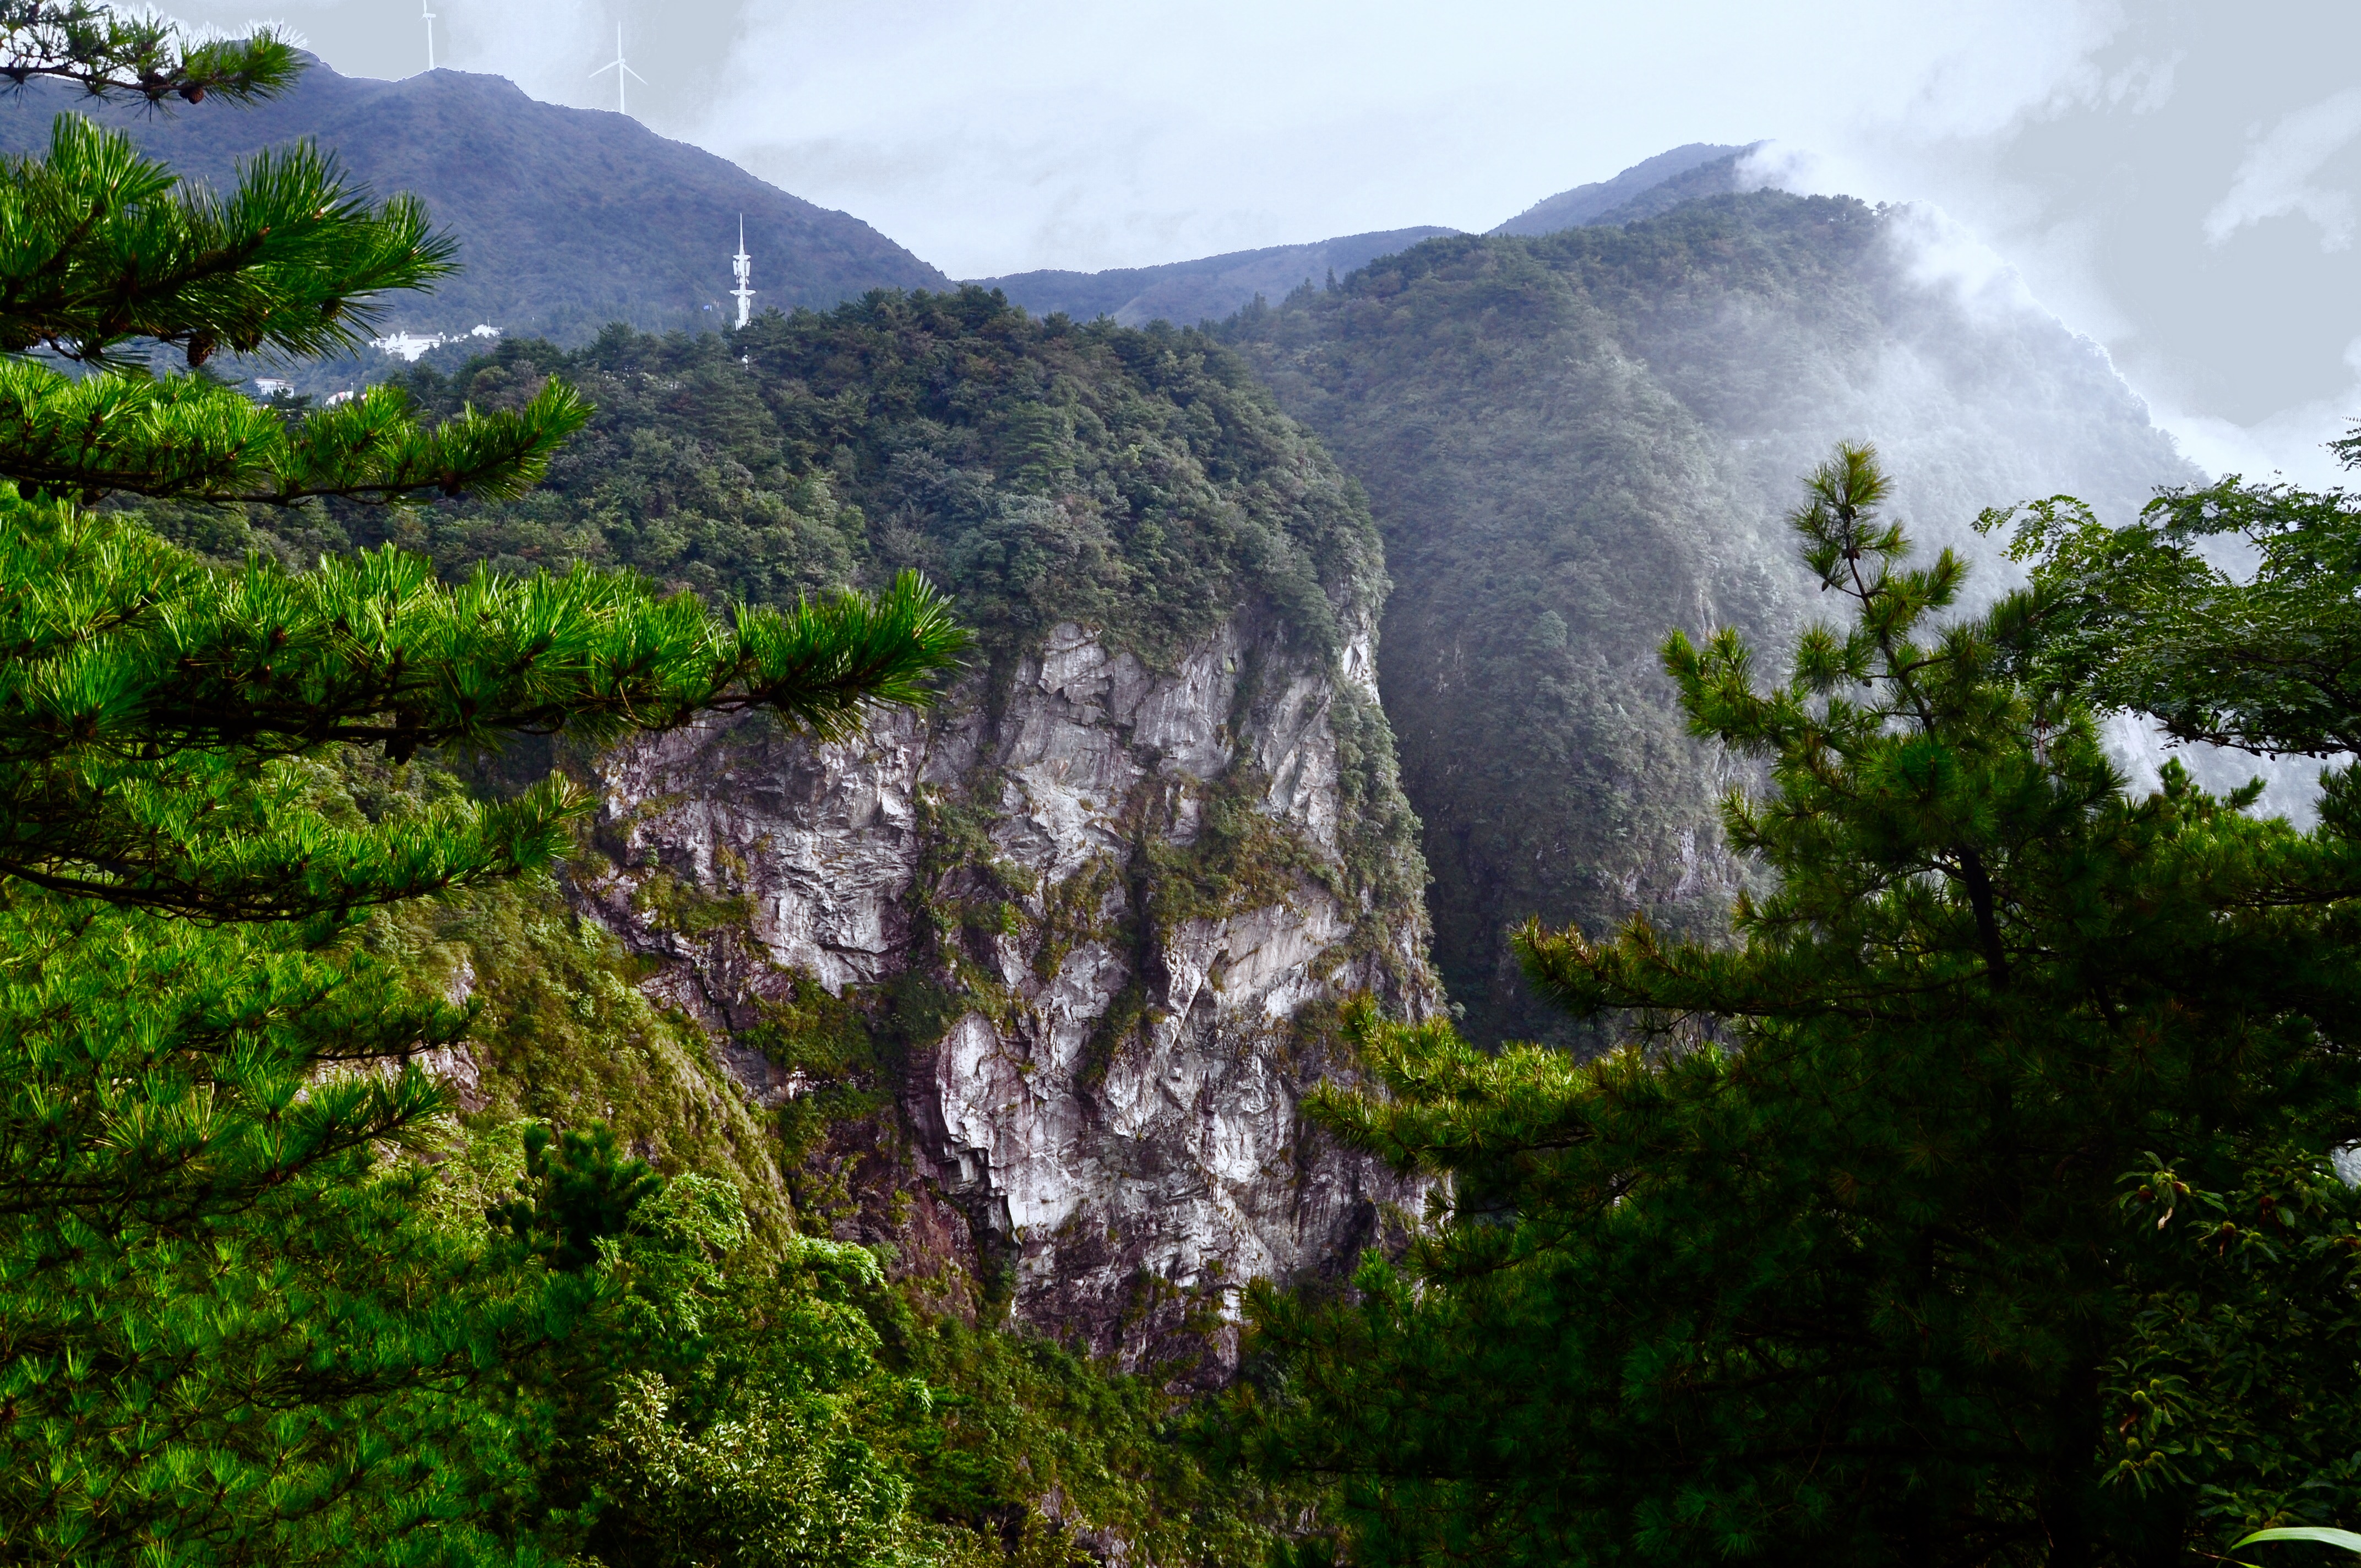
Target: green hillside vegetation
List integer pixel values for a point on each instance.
(1139, 482)
(1136, 481)
(264, 1299)
(1978, 1203)
(245, 1318)
(1572, 441)
(971, 1427)
(1950, 1171)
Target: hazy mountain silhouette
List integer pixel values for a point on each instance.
(1204, 290)
(566, 218)
(1576, 440)
(1212, 287)
(1671, 178)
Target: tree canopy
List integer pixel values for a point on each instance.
(233, 1328)
(2226, 614)
(1975, 1206)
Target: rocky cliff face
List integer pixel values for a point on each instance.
(1029, 987)
(1121, 904)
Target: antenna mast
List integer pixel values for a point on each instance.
(742, 266)
(619, 69)
(429, 17)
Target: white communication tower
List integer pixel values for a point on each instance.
(429, 17)
(621, 71)
(742, 266)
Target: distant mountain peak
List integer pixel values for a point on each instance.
(1604, 199)
(566, 218)
(1204, 290)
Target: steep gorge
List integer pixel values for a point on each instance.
(1576, 442)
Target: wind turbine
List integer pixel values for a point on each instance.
(621, 71)
(429, 17)
(743, 265)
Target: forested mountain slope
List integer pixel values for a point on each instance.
(566, 218)
(1574, 443)
(1064, 953)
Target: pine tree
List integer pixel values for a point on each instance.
(1974, 1206)
(229, 1332)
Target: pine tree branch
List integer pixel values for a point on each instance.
(108, 54)
(100, 247)
(190, 438)
(146, 691)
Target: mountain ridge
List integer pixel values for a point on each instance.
(1606, 201)
(1207, 287)
(566, 218)
(1574, 443)
(1212, 288)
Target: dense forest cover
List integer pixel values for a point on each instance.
(1970, 1196)
(1571, 441)
(266, 1300)
(1139, 483)
(242, 1320)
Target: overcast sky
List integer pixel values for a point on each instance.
(2177, 180)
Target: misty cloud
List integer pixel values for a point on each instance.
(2274, 179)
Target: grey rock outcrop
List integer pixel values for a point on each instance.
(1137, 895)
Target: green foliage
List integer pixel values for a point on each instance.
(759, 1486)
(1974, 1207)
(221, 1333)
(107, 54)
(2143, 618)
(103, 246)
(1010, 1425)
(1137, 482)
(572, 1197)
(828, 1043)
(237, 1323)
(1240, 859)
(738, 1410)
(1574, 440)
(150, 703)
(2344, 1538)
(1021, 1418)
(561, 1034)
(106, 247)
